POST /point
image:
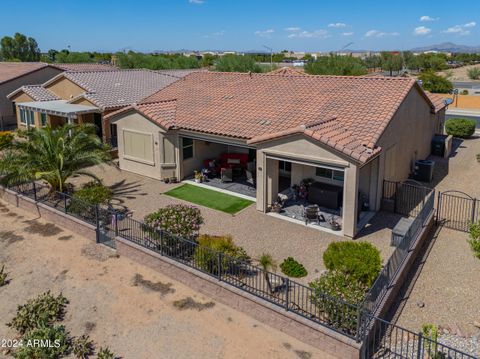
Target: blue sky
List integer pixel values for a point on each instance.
(301, 25)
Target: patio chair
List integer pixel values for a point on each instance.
(250, 177)
(226, 174)
(311, 214)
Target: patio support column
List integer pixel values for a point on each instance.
(271, 173)
(350, 201)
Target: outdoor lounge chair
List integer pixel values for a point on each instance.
(311, 213)
(226, 174)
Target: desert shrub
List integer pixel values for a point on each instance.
(474, 240)
(105, 353)
(359, 260)
(334, 285)
(206, 254)
(94, 192)
(435, 83)
(3, 277)
(6, 137)
(460, 127)
(464, 92)
(176, 219)
(41, 311)
(292, 268)
(82, 347)
(473, 73)
(58, 343)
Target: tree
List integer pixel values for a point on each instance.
(391, 62)
(53, 155)
(237, 63)
(52, 54)
(19, 48)
(336, 65)
(208, 60)
(435, 83)
(65, 56)
(373, 62)
(473, 73)
(267, 263)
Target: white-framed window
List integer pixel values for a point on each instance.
(23, 118)
(329, 173)
(43, 119)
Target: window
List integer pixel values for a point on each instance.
(30, 115)
(23, 119)
(329, 173)
(43, 119)
(187, 146)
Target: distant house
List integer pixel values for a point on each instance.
(16, 74)
(341, 135)
(87, 96)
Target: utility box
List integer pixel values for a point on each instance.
(423, 170)
(438, 145)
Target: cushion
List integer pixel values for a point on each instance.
(233, 161)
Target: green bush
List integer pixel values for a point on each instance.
(82, 347)
(473, 73)
(105, 353)
(6, 137)
(56, 337)
(435, 83)
(474, 240)
(336, 65)
(337, 284)
(39, 312)
(177, 219)
(94, 192)
(360, 260)
(206, 254)
(292, 268)
(460, 127)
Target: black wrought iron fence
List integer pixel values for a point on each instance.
(387, 340)
(457, 210)
(408, 198)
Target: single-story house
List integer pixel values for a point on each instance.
(341, 136)
(86, 97)
(13, 75)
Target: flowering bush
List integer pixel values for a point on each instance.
(6, 138)
(177, 219)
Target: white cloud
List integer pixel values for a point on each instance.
(347, 33)
(323, 34)
(421, 31)
(376, 33)
(196, 2)
(428, 18)
(265, 33)
(461, 29)
(337, 25)
(292, 29)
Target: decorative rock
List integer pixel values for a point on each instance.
(420, 304)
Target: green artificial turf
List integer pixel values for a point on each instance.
(208, 198)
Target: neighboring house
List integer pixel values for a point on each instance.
(87, 96)
(347, 133)
(16, 74)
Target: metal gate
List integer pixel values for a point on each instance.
(457, 210)
(106, 227)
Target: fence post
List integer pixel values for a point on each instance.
(116, 223)
(287, 291)
(359, 325)
(97, 221)
(439, 204)
(419, 348)
(162, 242)
(219, 265)
(65, 202)
(474, 205)
(34, 191)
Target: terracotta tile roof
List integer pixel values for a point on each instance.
(12, 70)
(348, 114)
(113, 89)
(84, 67)
(38, 93)
(438, 100)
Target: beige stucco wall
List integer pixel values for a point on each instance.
(65, 89)
(34, 78)
(161, 166)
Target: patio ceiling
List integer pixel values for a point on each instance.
(58, 108)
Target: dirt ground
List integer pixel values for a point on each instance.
(460, 74)
(137, 312)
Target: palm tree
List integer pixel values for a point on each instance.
(267, 263)
(52, 155)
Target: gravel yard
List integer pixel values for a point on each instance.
(258, 233)
(135, 311)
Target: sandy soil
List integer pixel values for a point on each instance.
(135, 311)
(460, 74)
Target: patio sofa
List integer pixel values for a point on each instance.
(227, 160)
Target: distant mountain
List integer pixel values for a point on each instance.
(448, 47)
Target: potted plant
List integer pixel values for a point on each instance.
(173, 179)
(276, 207)
(198, 176)
(334, 225)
